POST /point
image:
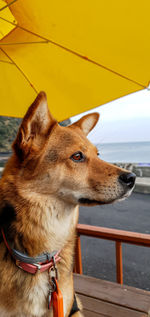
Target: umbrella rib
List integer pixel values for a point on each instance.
(20, 70)
(8, 5)
(77, 54)
(24, 43)
(1, 61)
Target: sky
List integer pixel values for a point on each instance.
(126, 119)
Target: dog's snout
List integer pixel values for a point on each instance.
(127, 179)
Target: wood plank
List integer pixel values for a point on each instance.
(91, 314)
(113, 293)
(97, 306)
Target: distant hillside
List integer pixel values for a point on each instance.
(8, 130)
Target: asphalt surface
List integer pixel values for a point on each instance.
(98, 256)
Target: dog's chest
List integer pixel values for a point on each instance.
(36, 302)
(33, 300)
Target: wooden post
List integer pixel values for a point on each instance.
(119, 266)
(78, 257)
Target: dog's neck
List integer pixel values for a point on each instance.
(45, 226)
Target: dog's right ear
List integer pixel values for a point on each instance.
(35, 127)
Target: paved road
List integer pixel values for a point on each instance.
(98, 255)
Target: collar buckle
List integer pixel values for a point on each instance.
(38, 267)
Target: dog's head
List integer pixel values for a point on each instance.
(55, 160)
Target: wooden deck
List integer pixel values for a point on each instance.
(103, 298)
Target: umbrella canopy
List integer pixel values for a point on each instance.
(82, 53)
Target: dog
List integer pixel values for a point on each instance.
(51, 172)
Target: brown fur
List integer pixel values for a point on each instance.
(43, 185)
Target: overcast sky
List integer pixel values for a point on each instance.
(124, 120)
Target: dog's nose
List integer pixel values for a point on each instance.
(127, 179)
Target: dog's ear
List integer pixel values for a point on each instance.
(87, 123)
(36, 125)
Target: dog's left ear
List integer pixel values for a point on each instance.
(87, 123)
(35, 127)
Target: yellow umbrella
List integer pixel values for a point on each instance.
(82, 53)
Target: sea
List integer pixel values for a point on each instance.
(132, 152)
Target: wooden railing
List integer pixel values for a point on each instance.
(119, 236)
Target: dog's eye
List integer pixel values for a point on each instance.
(78, 157)
(98, 154)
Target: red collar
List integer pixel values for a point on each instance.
(32, 265)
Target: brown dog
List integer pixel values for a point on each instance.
(53, 169)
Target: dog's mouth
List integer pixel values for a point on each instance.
(86, 201)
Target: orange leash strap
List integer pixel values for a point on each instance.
(57, 299)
